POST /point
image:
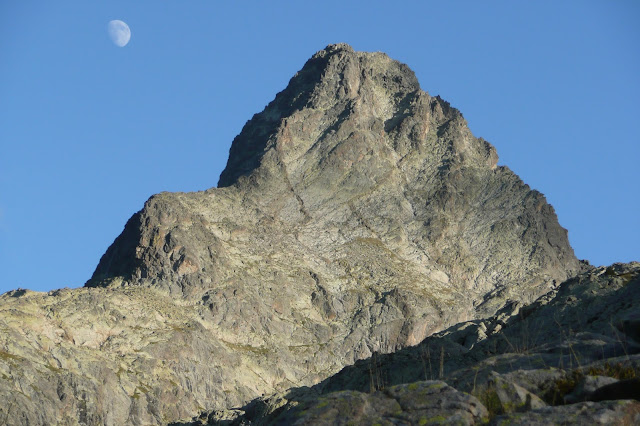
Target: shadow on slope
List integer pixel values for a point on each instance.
(587, 326)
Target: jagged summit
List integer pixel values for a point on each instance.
(353, 175)
(335, 81)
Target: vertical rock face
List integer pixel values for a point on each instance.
(356, 214)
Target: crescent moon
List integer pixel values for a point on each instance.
(119, 32)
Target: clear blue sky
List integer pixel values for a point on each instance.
(89, 130)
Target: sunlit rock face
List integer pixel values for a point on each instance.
(356, 214)
(353, 180)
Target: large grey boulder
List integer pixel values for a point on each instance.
(513, 397)
(419, 403)
(583, 413)
(586, 387)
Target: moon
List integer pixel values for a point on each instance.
(119, 32)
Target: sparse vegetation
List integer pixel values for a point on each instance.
(258, 350)
(489, 398)
(566, 384)
(617, 370)
(53, 368)
(6, 356)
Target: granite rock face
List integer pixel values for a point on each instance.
(357, 215)
(565, 359)
(568, 358)
(353, 191)
(427, 402)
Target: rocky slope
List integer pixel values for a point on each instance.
(572, 357)
(357, 215)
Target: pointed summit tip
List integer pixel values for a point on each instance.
(365, 89)
(334, 48)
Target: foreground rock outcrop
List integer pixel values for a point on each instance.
(357, 215)
(572, 357)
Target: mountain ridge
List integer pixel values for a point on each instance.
(350, 123)
(357, 215)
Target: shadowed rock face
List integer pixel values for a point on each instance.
(535, 364)
(356, 214)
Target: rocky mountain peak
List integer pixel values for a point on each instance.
(335, 84)
(357, 215)
(354, 176)
(347, 122)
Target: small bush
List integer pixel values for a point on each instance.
(489, 398)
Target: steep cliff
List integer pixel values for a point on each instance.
(353, 179)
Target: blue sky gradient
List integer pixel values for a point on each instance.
(89, 130)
